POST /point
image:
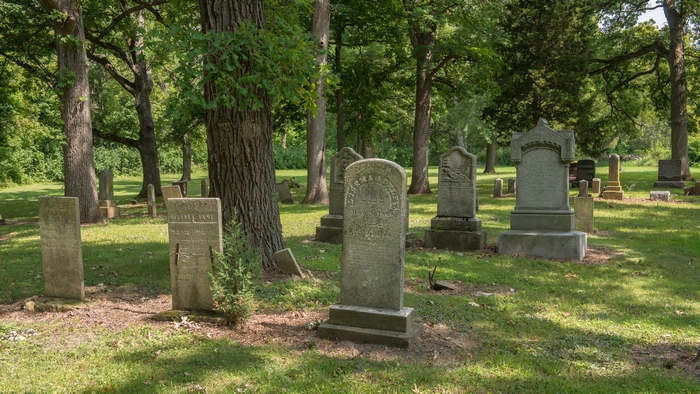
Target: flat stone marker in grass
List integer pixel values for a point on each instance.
(613, 190)
(372, 269)
(331, 228)
(664, 196)
(170, 192)
(287, 263)
(194, 229)
(456, 227)
(108, 206)
(542, 222)
(61, 248)
(151, 194)
(284, 192)
(669, 174)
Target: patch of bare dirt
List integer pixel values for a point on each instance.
(599, 255)
(667, 356)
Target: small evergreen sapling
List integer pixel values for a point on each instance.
(233, 274)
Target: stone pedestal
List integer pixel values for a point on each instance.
(613, 190)
(613, 193)
(371, 325)
(109, 209)
(553, 245)
(331, 229)
(458, 234)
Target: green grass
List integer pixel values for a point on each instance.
(565, 327)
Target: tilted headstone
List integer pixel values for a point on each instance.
(595, 186)
(108, 206)
(669, 174)
(205, 188)
(183, 187)
(664, 196)
(331, 228)
(372, 270)
(613, 190)
(542, 222)
(583, 208)
(194, 230)
(498, 187)
(585, 170)
(456, 227)
(287, 263)
(284, 192)
(61, 247)
(170, 192)
(511, 186)
(151, 194)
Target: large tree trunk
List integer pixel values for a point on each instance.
(186, 158)
(316, 189)
(241, 156)
(679, 90)
(491, 149)
(78, 157)
(339, 99)
(423, 42)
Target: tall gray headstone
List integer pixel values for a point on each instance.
(456, 227)
(61, 247)
(669, 174)
(108, 206)
(170, 192)
(542, 223)
(194, 229)
(151, 195)
(331, 228)
(372, 270)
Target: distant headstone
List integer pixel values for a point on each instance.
(583, 188)
(152, 212)
(287, 263)
(511, 186)
(595, 186)
(542, 223)
(2, 221)
(205, 188)
(61, 247)
(456, 227)
(170, 192)
(194, 229)
(585, 170)
(183, 187)
(108, 206)
(664, 196)
(498, 187)
(613, 190)
(372, 269)
(284, 192)
(693, 190)
(583, 208)
(573, 169)
(669, 174)
(331, 228)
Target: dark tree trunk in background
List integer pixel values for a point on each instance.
(241, 156)
(186, 158)
(679, 89)
(339, 101)
(316, 188)
(491, 149)
(78, 157)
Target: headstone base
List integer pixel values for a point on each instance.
(672, 184)
(455, 224)
(455, 240)
(371, 325)
(554, 245)
(612, 195)
(331, 229)
(109, 209)
(542, 220)
(54, 304)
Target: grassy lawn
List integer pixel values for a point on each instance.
(627, 320)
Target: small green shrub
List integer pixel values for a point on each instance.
(234, 272)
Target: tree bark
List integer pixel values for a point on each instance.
(491, 149)
(78, 156)
(316, 188)
(423, 41)
(679, 89)
(240, 144)
(339, 99)
(186, 158)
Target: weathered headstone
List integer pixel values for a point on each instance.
(583, 209)
(170, 192)
(669, 174)
(284, 192)
(287, 263)
(542, 223)
(511, 186)
(194, 229)
(108, 206)
(152, 212)
(331, 228)
(456, 227)
(664, 196)
(595, 186)
(371, 289)
(61, 247)
(498, 187)
(613, 190)
(693, 190)
(205, 188)
(183, 187)
(585, 170)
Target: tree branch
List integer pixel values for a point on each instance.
(116, 138)
(118, 52)
(126, 13)
(442, 64)
(125, 83)
(657, 46)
